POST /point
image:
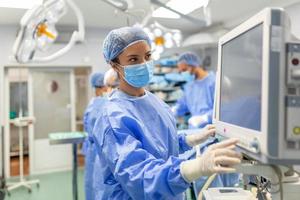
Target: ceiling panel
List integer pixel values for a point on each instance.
(99, 14)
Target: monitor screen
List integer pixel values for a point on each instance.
(241, 80)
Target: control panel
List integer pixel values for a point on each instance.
(293, 94)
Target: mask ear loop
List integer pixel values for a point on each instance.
(117, 68)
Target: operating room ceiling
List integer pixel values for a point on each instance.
(99, 14)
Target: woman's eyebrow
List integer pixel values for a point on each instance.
(132, 55)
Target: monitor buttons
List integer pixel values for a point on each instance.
(296, 130)
(295, 61)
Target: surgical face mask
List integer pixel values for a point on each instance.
(138, 75)
(188, 76)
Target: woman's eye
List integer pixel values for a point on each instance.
(133, 60)
(148, 57)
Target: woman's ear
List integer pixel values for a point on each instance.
(117, 69)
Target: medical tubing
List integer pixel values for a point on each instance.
(205, 186)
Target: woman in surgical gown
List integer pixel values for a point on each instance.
(136, 136)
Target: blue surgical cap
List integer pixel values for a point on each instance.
(97, 80)
(119, 39)
(190, 58)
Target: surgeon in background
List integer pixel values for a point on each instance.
(198, 98)
(111, 81)
(91, 113)
(136, 136)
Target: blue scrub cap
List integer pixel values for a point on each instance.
(97, 80)
(190, 58)
(119, 39)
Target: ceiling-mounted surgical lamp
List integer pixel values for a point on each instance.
(38, 31)
(162, 38)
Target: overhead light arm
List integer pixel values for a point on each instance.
(121, 5)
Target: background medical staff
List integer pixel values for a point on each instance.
(90, 116)
(111, 80)
(198, 98)
(136, 135)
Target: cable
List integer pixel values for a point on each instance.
(205, 186)
(279, 175)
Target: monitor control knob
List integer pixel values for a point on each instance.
(254, 145)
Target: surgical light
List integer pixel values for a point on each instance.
(159, 49)
(168, 35)
(162, 38)
(169, 44)
(38, 31)
(159, 41)
(157, 32)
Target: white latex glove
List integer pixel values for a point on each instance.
(218, 158)
(196, 121)
(198, 138)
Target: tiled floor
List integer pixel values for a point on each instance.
(56, 186)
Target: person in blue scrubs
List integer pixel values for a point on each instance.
(90, 116)
(136, 136)
(111, 80)
(198, 98)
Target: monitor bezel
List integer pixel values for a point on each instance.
(247, 136)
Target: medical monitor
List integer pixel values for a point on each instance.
(253, 101)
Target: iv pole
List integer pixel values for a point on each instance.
(21, 122)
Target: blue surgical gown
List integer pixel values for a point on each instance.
(198, 98)
(138, 149)
(91, 114)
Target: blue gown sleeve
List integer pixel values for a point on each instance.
(86, 129)
(181, 107)
(85, 120)
(183, 146)
(140, 174)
